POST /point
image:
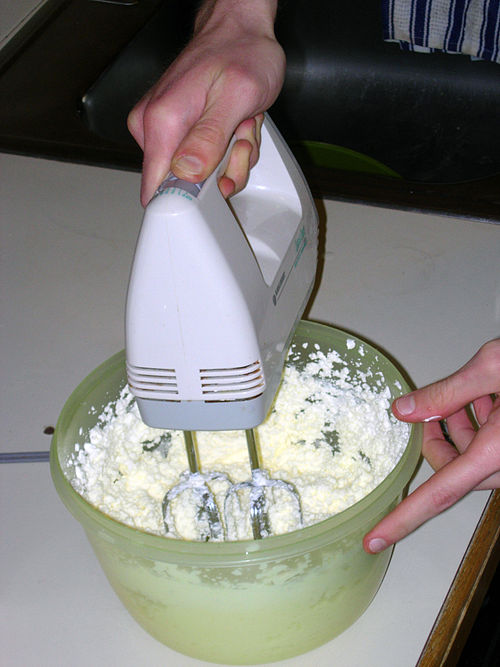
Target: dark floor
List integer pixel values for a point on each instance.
(483, 646)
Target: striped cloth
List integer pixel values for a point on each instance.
(471, 27)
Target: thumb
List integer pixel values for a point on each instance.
(202, 149)
(478, 377)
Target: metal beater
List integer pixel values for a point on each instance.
(212, 523)
(195, 482)
(259, 486)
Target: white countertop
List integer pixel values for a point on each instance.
(425, 288)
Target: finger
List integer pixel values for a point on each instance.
(163, 130)
(168, 114)
(479, 377)
(250, 130)
(210, 145)
(460, 429)
(200, 152)
(204, 146)
(227, 187)
(435, 449)
(435, 495)
(482, 408)
(491, 482)
(244, 156)
(238, 167)
(155, 168)
(259, 122)
(438, 453)
(479, 464)
(135, 120)
(229, 102)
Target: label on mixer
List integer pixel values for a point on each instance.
(177, 186)
(277, 290)
(300, 244)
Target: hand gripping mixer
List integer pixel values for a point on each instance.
(215, 294)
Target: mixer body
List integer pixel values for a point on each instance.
(216, 291)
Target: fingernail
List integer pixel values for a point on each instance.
(376, 545)
(435, 418)
(188, 164)
(405, 405)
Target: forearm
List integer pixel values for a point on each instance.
(250, 14)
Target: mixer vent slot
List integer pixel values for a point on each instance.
(159, 383)
(241, 382)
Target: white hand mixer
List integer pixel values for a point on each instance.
(215, 294)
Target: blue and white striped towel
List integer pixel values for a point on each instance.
(471, 27)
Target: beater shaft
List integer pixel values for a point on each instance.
(191, 454)
(258, 505)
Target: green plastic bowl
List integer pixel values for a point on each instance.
(243, 602)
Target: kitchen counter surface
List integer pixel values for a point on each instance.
(424, 287)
